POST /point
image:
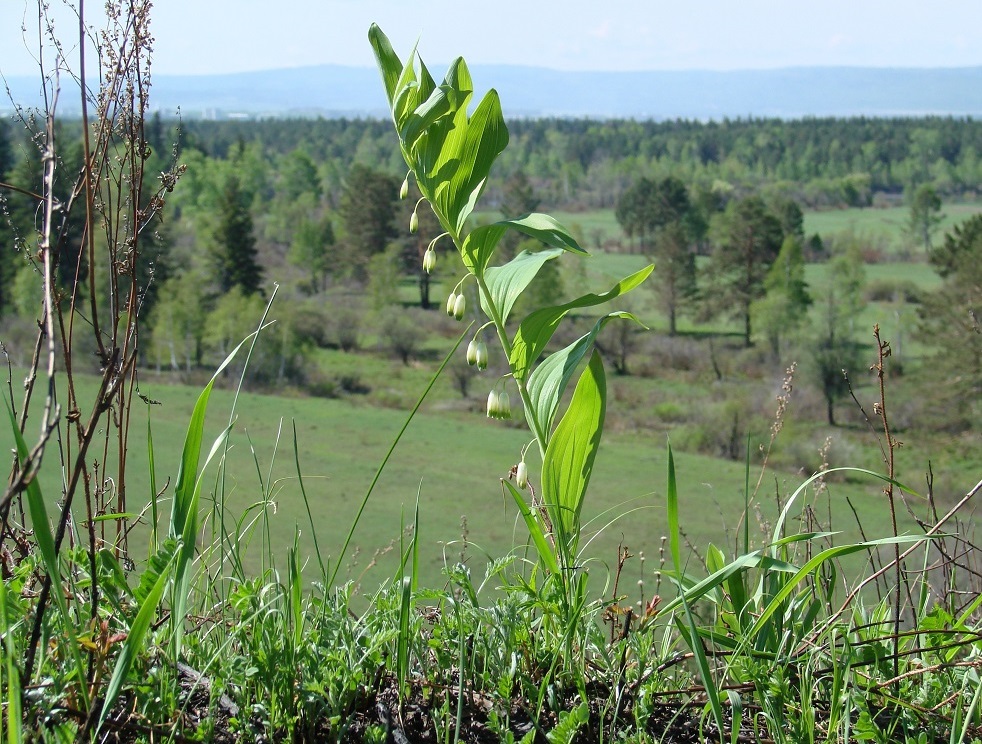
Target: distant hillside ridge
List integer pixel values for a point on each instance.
(788, 93)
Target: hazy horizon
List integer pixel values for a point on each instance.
(233, 36)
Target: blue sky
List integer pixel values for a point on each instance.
(216, 36)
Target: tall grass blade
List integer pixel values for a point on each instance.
(14, 717)
(49, 555)
(306, 504)
(385, 460)
(150, 592)
(154, 516)
(672, 507)
(702, 665)
(547, 553)
(184, 510)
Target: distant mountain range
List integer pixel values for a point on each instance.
(333, 90)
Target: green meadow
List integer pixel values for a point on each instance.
(450, 459)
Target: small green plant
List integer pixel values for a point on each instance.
(449, 151)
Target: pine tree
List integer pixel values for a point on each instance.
(234, 254)
(951, 322)
(749, 240)
(368, 210)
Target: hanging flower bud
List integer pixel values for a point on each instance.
(451, 302)
(459, 306)
(493, 404)
(481, 355)
(504, 405)
(429, 260)
(414, 222)
(522, 475)
(404, 191)
(472, 352)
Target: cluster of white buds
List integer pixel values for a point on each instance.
(429, 260)
(477, 354)
(499, 406)
(456, 305)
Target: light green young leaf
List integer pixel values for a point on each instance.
(507, 282)
(485, 138)
(547, 383)
(546, 552)
(412, 91)
(388, 61)
(480, 243)
(572, 451)
(435, 107)
(536, 329)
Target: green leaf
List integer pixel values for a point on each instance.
(568, 462)
(546, 553)
(156, 567)
(826, 555)
(388, 61)
(412, 91)
(672, 505)
(537, 328)
(49, 550)
(547, 383)
(155, 577)
(507, 282)
(547, 229)
(438, 105)
(479, 245)
(485, 138)
(702, 665)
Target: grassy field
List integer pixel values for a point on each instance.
(886, 224)
(597, 227)
(452, 455)
(451, 459)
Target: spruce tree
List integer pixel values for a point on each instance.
(749, 240)
(234, 254)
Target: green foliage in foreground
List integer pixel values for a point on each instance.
(767, 639)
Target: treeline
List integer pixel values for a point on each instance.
(577, 163)
(313, 205)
